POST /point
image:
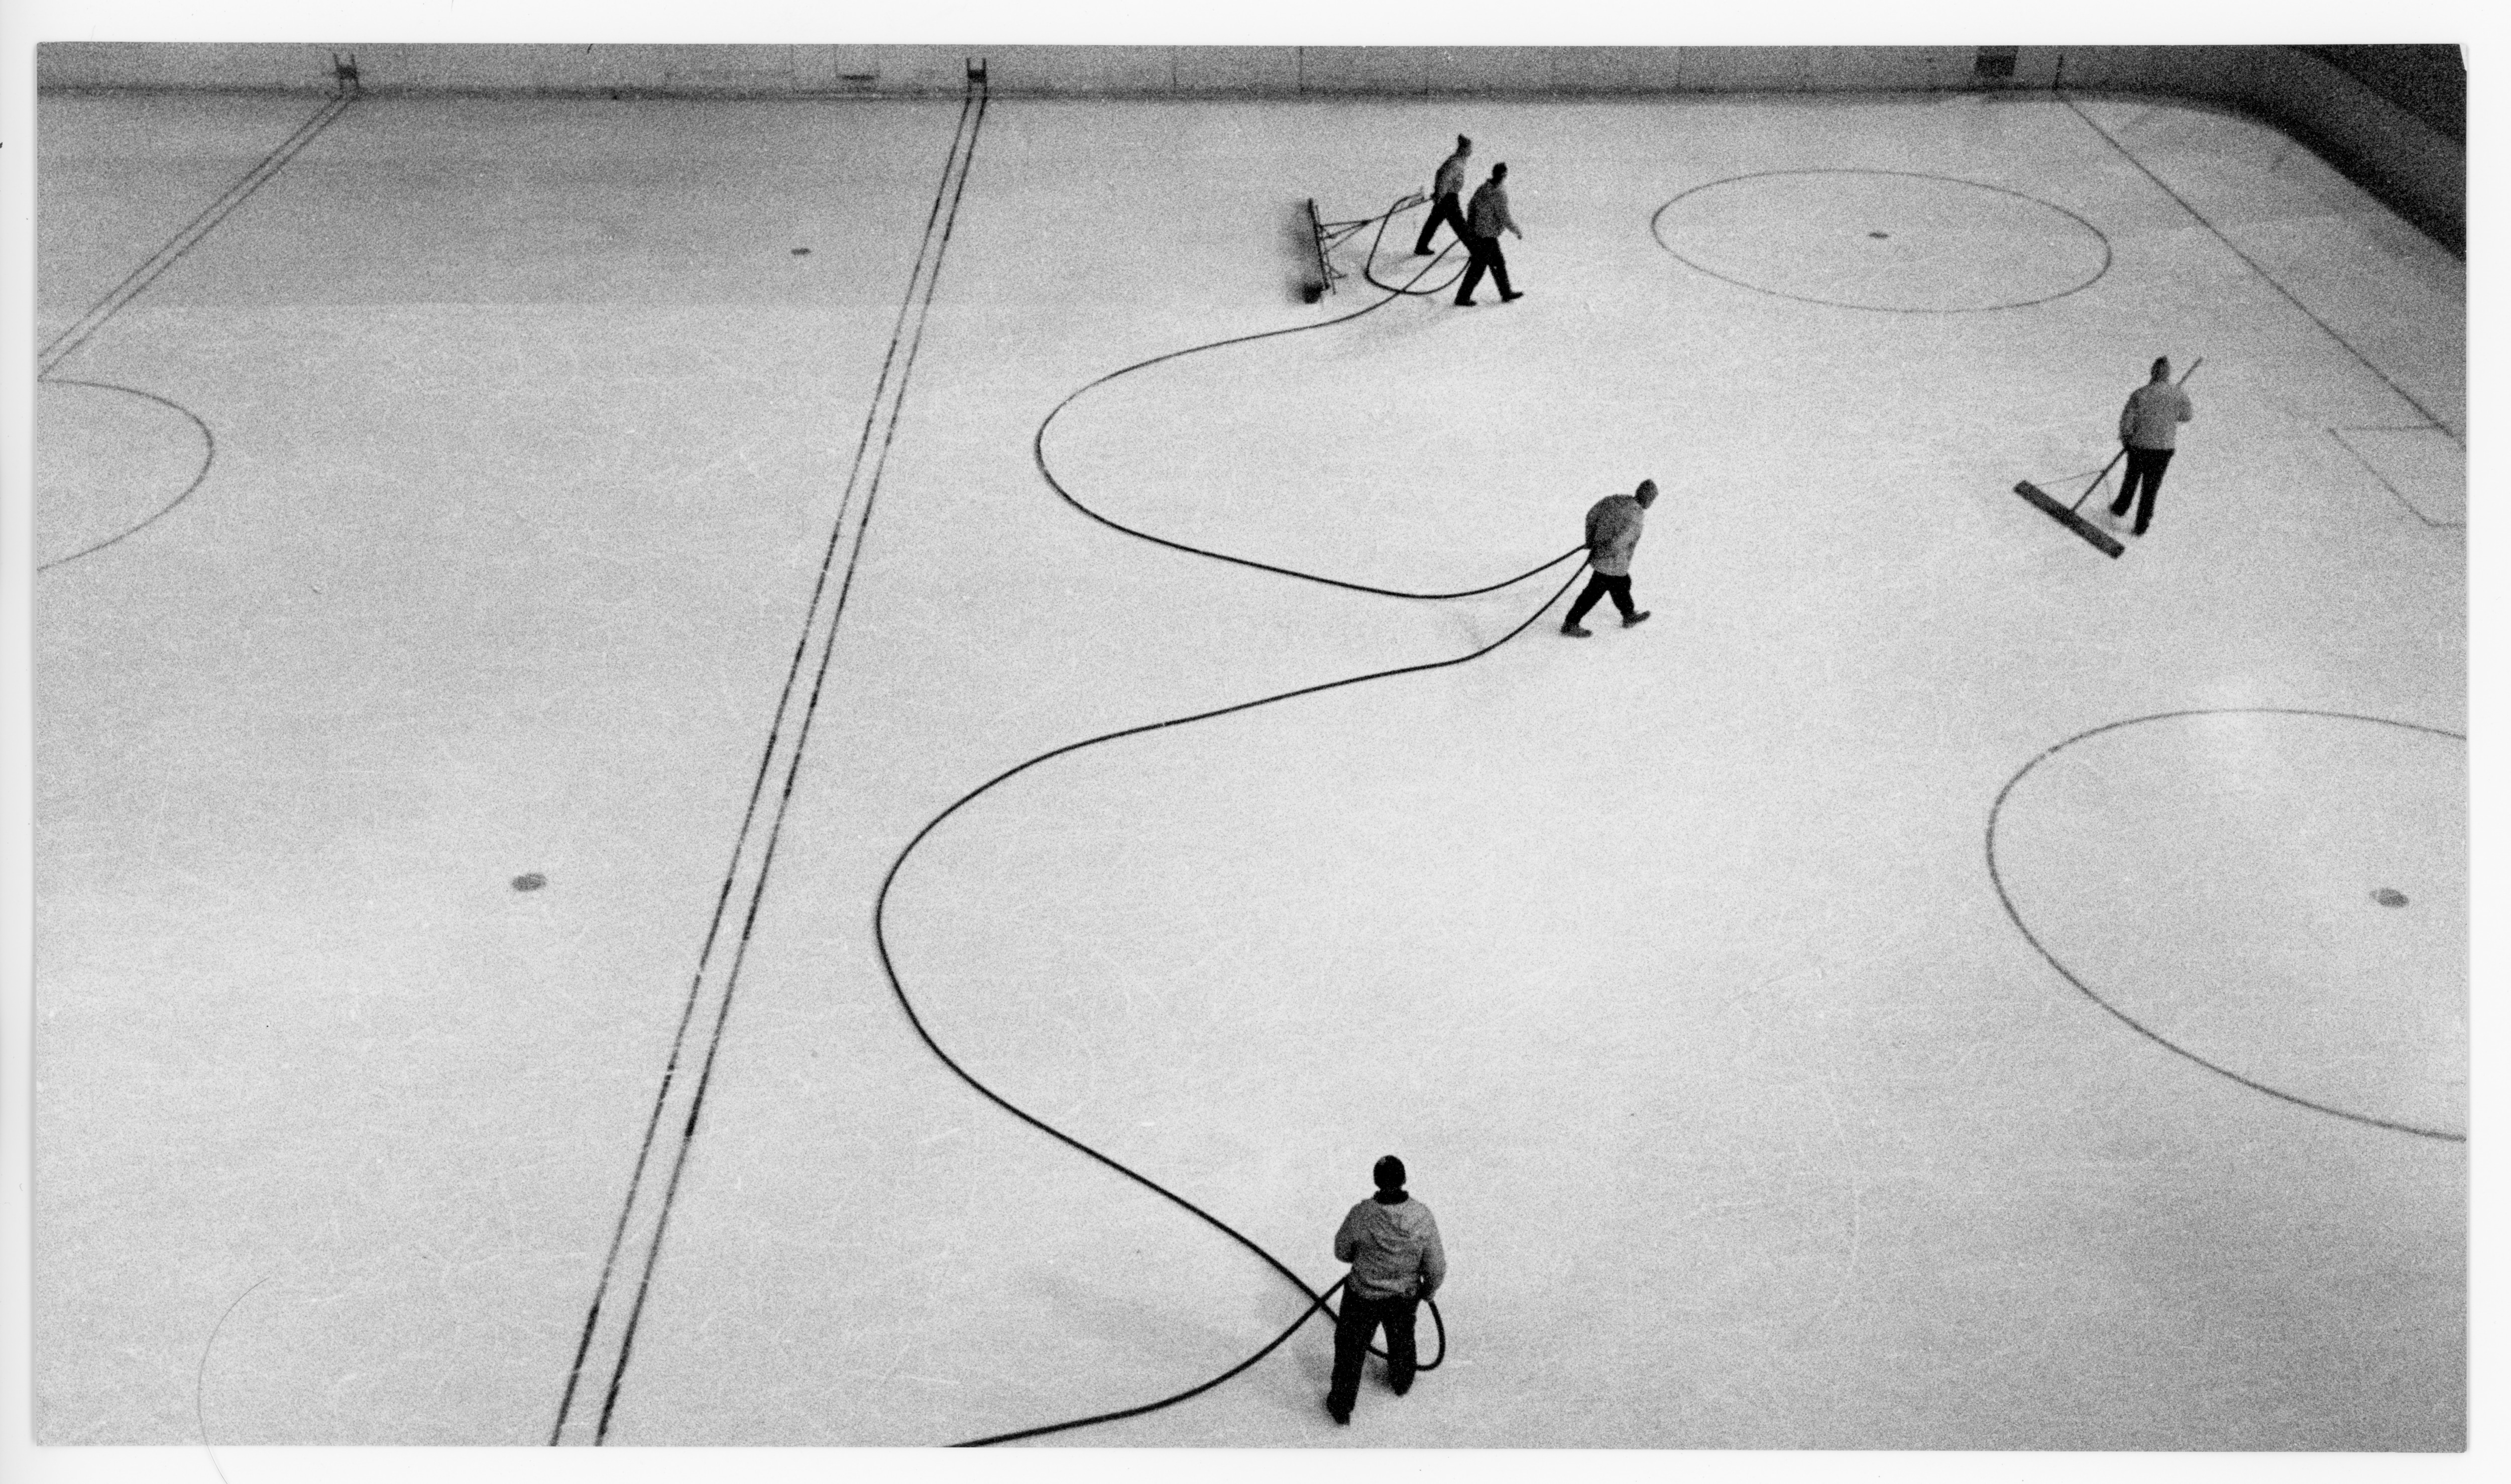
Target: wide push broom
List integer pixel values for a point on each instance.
(2065, 515)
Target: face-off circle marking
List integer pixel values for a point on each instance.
(1954, 245)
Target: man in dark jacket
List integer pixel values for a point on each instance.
(1445, 189)
(1392, 1245)
(1485, 219)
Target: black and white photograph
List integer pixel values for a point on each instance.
(1503, 744)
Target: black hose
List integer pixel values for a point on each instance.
(1037, 446)
(1369, 269)
(880, 909)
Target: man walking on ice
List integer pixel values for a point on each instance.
(1392, 1245)
(1612, 535)
(1445, 189)
(2149, 428)
(1485, 217)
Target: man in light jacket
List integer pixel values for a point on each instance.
(1445, 190)
(2150, 426)
(1392, 1245)
(1613, 526)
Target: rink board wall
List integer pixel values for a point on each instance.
(2418, 171)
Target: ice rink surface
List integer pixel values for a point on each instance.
(1932, 987)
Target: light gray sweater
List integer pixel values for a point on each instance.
(1393, 1250)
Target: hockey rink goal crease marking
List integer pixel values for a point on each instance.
(1316, 1300)
(1657, 229)
(61, 347)
(2014, 913)
(2255, 266)
(644, 1215)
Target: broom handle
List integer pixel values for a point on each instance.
(2098, 478)
(2122, 452)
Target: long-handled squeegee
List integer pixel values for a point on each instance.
(2065, 515)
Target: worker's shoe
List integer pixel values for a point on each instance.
(1342, 1419)
(1575, 630)
(1635, 619)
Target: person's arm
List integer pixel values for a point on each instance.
(1433, 1262)
(1508, 218)
(2187, 408)
(2127, 418)
(1346, 1237)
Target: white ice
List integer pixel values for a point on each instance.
(1671, 962)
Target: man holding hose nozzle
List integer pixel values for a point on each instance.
(1392, 1245)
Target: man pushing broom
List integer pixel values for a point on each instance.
(2149, 431)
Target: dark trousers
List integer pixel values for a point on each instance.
(1353, 1329)
(1445, 210)
(2144, 468)
(1486, 257)
(1598, 585)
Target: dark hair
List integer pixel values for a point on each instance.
(2161, 365)
(1389, 1174)
(1463, 143)
(1498, 171)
